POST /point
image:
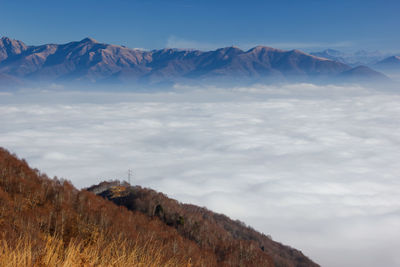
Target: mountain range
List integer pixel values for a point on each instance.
(91, 61)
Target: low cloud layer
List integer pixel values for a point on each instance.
(316, 167)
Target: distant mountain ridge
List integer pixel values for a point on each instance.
(389, 63)
(89, 60)
(353, 59)
(363, 71)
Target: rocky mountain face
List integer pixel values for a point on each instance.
(89, 60)
(331, 54)
(10, 48)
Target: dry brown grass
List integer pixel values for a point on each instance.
(98, 252)
(48, 222)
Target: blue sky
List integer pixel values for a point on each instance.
(306, 24)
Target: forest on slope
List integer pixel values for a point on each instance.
(211, 231)
(48, 222)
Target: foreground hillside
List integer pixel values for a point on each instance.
(211, 231)
(48, 222)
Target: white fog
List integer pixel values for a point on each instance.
(315, 167)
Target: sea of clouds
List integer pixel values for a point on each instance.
(314, 166)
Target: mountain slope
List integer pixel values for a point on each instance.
(363, 74)
(93, 61)
(47, 222)
(388, 64)
(209, 230)
(353, 59)
(10, 48)
(86, 59)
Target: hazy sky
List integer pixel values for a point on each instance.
(306, 24)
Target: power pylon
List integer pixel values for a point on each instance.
(130, 174)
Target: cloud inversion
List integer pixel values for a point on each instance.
(316, 167)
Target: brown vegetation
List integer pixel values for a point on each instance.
(99, 251)
(231, 241)
(47, 222)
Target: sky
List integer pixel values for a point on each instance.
(315, 167)
(207, 24)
